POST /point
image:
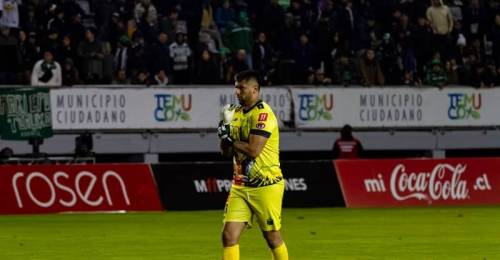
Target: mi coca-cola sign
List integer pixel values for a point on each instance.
(75, 188)
(419, 182)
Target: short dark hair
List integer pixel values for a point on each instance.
(248, 75)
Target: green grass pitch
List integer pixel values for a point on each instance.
(311, 234)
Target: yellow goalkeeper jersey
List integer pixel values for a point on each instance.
(265, 169)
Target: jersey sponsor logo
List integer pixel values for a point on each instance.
(262, 116)
(260, 125)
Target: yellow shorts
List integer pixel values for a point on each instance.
(263, 203)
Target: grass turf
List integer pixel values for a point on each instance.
(333, 233)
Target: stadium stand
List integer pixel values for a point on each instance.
(124, 41)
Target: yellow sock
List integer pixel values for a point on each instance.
(280, 253)
(231, 253)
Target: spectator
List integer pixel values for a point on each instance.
(206, 42)
(403, 37)
(441, 22)
(46, 72)
(390, 61)
(181, 58)
(435, 74)
(239, 36)
(324, 36)
(10, 61)
(160, 79)
(192, 13)
(70, 75)
(488, 76)
(475, 19)
(76, 31)
(421, 37)
(70, 7)
(207, 70)
(51, 42)
(305, 59)
(28, 19)
(91, 55)
(139, 57)
(452, 72)
(369, 31)
(168, 24)
(107, 64)
(121, 56)
(208, 24)
(345, 72)
(477, 49)
(67, 50)
(271, 21)
(319, 79)
(371, 73)
(224, 15)
(29, 55)
(146, 18)
(107, 10)
(470, 63)
(114, 30)
(333, 26)
(142, 78)
(346, 23)
(262, 56)
(145, 13)
(347, 147)
(286, 39)
(57, 23)
(121, 78)
(235, 65)
(304, 14)
(9, 13)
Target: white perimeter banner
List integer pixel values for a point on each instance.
(151, 108)
(395, 107)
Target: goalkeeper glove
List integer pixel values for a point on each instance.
(227, 113)
(224, 132)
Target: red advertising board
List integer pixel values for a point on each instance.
(77, 188)
(419, 182)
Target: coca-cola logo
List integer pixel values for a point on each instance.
(67, 190)
(443, 182)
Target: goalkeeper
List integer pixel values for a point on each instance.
(249, 133)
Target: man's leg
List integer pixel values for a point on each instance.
(277, 245)
(230, 240)
(266, 203)
(236, 216)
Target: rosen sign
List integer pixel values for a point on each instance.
(419, 182)
(62, 188)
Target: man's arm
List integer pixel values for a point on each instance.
(226, 148)
(254, 146)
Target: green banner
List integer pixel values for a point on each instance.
(25, 113)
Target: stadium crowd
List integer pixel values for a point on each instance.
(319, 42)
